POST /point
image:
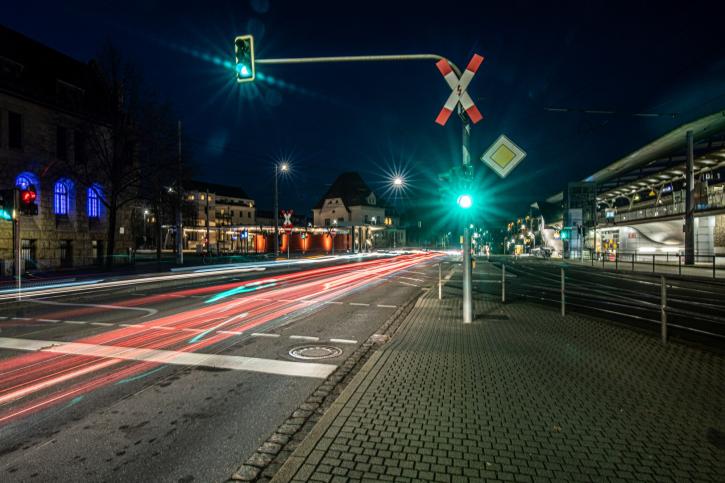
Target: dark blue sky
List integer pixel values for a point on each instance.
(628, 57)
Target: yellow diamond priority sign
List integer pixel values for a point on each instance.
(503, 156)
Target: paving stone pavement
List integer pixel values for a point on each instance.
(522, 394)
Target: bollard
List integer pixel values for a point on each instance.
(663, 310)
(440, 285)
(633, 256)
(563, 300)
(616, 262)
(653, 263)
(713, 266)
(503, 283)
(679, 264)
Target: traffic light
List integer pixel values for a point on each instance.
(7, 204)
(27, 201)
(244, 58)
(565, 233)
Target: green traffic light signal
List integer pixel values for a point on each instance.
(244, 58)
(465, 201)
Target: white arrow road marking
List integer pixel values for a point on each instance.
(237, 363)
(100, 306)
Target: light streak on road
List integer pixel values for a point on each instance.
(34, 381)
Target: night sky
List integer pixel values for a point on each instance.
(375, 118)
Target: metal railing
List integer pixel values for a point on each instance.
(670, 208)
(711, 266)
(685, 308)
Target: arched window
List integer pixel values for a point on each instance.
(61, 196)
(94, 201)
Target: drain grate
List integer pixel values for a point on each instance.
(312, 352)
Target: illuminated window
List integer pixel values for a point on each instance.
(61, 193)
(191, 197)
(94, 202)
(202, 197)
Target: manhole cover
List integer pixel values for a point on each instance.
(315, 352)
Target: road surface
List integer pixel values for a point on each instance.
(178, 379)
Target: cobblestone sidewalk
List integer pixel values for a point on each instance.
(522, 394)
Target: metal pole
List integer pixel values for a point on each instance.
(679, 264)
(440, 283)
(276, 212)
(690, 203)
(179, 220)
(208, 239)
(663, 310)
(289, 242)
(467, 303)
(563, 293)
(16, 241)
(616, 262)
(713, 266)
(633, 256)
(503, 283)
(653, 263)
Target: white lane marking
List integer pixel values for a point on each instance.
(332, 302)
(99, 306)
(358, 303)
(102, 324)
(135, 326)
(383, 306)
(413, 279)
(343, 341)
(162, 327)
(417, 273)
(262, 334)
(239, 363)
(74, 322)
(232, 332)
(48, 320)
(304, 337)
(3, 317)
(409, 284)
(20, 318)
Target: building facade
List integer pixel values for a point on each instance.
(45, 99)
(350, 203)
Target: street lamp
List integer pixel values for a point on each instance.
(398, 182)
(145, 214)
(283, 167)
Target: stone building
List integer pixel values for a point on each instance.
(350, 203)
(45, 96)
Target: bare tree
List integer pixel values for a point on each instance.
(126, 143)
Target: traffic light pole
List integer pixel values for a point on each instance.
(466, 157)
(16, 241)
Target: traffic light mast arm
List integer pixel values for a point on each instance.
(360, 58)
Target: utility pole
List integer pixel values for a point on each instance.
(179, 202)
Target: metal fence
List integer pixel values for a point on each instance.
(712, 266)
(682, 307)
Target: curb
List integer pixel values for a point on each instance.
(270, 457)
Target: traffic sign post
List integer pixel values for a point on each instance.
(287, 225)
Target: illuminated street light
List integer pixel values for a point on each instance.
(398, 182)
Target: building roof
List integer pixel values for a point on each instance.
(42, 74)
(217, 189)
(672, 142)
(352, 189)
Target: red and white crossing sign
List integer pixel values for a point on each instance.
(458, 86)
(287, 223)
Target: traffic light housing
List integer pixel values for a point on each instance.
(465, 201)
(565, 233)
(244, 58)
(7, 204)
(27, 201)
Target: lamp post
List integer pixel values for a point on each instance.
(145, 214)
(283, 167)
(398, 184)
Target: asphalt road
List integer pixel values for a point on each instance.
(695, 307)
(179, 379)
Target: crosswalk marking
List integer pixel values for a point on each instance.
(238, 363)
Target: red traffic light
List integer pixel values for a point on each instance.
(27, 196)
